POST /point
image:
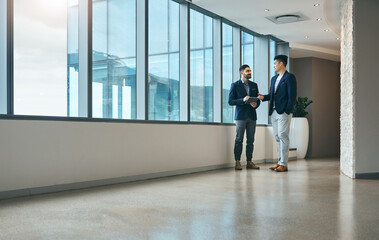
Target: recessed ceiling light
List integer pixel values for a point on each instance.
(338, 38)
(267, 10)
(306, 37)
(316, 5)
(318, 19)
(326, 30)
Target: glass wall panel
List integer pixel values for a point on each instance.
(114, 59)
(163, 81)
(261, 73)
(272, 55)
(45, 53)
(227, 71)
(248, 51)
(201, 67)
(3, 57)
(46, 60)
(73, 60)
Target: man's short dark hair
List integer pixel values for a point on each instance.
(281, 58)
(242, 68)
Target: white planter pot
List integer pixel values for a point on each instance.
(299, 135)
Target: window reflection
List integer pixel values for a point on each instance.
(163, 80)
(114, 59)
(201, 67)
(248, 51)
(227, 71)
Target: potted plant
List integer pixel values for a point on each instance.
(299, 128)
(300, 105)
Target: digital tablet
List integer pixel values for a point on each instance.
(252, 99)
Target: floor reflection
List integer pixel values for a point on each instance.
(346, 208)
(311, 201)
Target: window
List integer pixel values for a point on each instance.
(73, 60)
(227, 71)
(48, 79)
(114, 59)
(40, 56)
(272, 55)
(248, 51)
(3, 57)
(201, 67)
(163, 80)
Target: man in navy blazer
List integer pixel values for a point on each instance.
(282, 96)
(245, 115)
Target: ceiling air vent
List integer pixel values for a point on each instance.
(287, 18)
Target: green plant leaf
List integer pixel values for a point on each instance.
(300, 105)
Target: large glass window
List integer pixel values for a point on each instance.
(73, 60)
(114, 59)
(163, 60)
(46, 60)
(3, 57)
(41, 43)
(248, 50)
(272, 55)
(201, 67)
(227, 71)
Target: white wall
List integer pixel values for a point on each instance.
(367, 85)
(37, 153)
(359, 84)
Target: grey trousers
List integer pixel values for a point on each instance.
(241, 126)
(281, 127)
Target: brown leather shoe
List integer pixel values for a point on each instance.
(281, 169)
(274, 167)
(251, 165)
(238, 166)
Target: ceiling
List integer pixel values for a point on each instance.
(308, 38)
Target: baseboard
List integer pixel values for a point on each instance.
(103, 182)
(270, 160)
(374, 175)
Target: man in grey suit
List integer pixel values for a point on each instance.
(282, 96)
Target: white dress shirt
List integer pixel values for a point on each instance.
(276, 86)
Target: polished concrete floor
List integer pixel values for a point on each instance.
(311, 201)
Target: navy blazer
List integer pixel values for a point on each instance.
(285, 95)
(236, 95)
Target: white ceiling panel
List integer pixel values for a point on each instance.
(251, 14)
